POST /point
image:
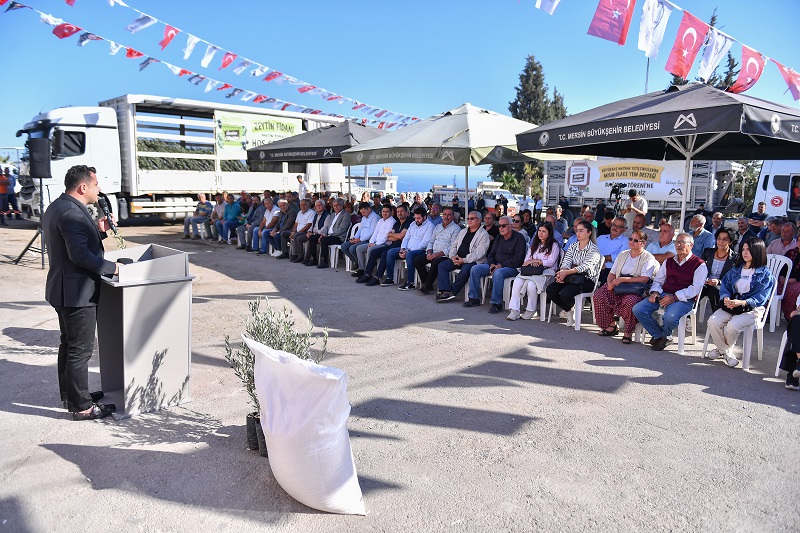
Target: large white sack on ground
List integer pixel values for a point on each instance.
(304, 410)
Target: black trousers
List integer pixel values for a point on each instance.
(311, 250)
(77, 325)
(324, 242)
(789, 359)
(428, 276)
(713, 296)
(563, 294)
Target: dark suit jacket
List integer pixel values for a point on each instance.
(708, 257)
(75, 252)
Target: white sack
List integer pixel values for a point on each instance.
(304, 410)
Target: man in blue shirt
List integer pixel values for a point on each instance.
(702, 237)
(611, 245)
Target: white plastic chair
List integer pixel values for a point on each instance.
(784, 340)
(776, 264)
(747, 336)
(506, 289)
(580, 301)
(335, 249)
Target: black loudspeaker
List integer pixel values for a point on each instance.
(39, 150)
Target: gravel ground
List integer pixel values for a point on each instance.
(461, 420)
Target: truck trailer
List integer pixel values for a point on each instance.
(153, 153)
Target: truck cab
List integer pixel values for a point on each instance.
(78, 136)
(779, 188)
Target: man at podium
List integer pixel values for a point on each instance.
(75, 254)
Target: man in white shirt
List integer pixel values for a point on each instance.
(380, 237)
(302, 189)
(634, 205)
(663, 248)
(786, 242)
(217, 214)
(267, 224)
(301, 226)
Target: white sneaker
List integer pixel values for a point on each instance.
(230, 242)
(731, 360)
(689, 327)
(795, 374)
(513, 315)
(276, 253)
(564, 314)
(570, 320)
(528, 315)
(713, 354)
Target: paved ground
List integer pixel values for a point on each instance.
(461, 420)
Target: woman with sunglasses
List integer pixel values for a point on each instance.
(744, 292)
(516, 223)
(543, 252)
(578, 271)
(635, 265)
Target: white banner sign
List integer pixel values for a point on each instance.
(654, 180)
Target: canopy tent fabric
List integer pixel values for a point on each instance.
(322, 145)
(680, 123)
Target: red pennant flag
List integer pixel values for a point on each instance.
(184, 72)
(316, 112)
(2, 2)
(133, 54)
(65, 30)
(334, 97)
(224, 86)
(752, 67)
(169, 34)
(258, 99)
(612, 20)
(272, 75)
(227, 59)
(359, 106)
(285, 106)
(70, 3)
(306, 88)
(791, 78)
(691, 36)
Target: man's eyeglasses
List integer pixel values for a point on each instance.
(681, 243)
(502, 225)
(473, 218)
(618, 226)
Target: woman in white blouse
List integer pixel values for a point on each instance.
(635, 265)
(543, 252)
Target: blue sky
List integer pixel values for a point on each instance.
(413, 57)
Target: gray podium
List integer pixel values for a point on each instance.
(144, 330)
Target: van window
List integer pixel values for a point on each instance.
(781, 182)
(794, 196)
(296, 168)
(74, 143)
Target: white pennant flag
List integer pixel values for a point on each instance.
(114, 47)
(50, 20)
(190, 43)
(242, 66)
(655, 14)
(717, 46)
(248, 95)
(120, 2)
(260, 71)
(141, 23)
(210, 85)
(548, 6)
(175, 70)
(209, 55)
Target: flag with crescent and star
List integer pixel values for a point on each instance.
(169, 34)
(791, 78)
(717, 46)
(272, 75)
(655, 14)
(258, 99)
(611, 21)
(691, 36)
(65, 30)
(133, 54)
(752, 67)
(227, 59)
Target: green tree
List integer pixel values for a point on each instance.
(532, 104)
(752, 170)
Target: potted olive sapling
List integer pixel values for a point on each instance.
(276, 329)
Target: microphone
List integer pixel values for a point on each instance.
(101, 202)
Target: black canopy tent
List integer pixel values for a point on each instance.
(684, 122)
(322, 145)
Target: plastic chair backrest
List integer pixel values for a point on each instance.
(776, 264)
(353, 229)
(763, 318)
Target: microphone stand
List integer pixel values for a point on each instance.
(39, 230)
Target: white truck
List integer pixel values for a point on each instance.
(714, 183)
(779, 188)
(490, 191)
(153, 154)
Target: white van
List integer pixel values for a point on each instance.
(779, 188)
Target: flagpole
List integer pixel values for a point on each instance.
(646, 75)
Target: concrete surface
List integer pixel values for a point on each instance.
(461, 420)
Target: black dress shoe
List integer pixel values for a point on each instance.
(472, 302)
(357, 273)
(283, 256)
(310, 263)
(363, 279)
(372, 282)
(660, 343)
(494, 309)
(96, 396)
(98, 410)
(322, 264)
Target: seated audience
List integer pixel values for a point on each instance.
(611, 245)
(309, 258)
(413, 244)
(469, 249)
(442, 239)
(202, 214)
(664, 247)
(789, 357)
(369, 219)
(272, 215)
(543, 254)
(718, 261)
(379, 240)
(334, 232)
(229, 221)
(377, 255)
(251, 221)
(702, 238)
(743, 234)
(786, 241)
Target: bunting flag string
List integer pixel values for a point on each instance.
(64, 30)
(145, 20)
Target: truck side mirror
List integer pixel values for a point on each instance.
(58, 144)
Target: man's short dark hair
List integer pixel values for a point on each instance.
(421, 211)
(608, 215)
(77, 175)
(632, 193)
(364, 205)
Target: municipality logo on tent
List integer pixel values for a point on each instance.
(775, 124)
(544, 138)
(688, 120)
(328, 151)
(448, 154)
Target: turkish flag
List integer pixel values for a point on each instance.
(224, 86)
(227, 59)
(306, 88)
(272, 75)
(65, 30)
(791, 78)
(184, 72)
(71, 3)
(611, 21)
(258, 99)
(691, 36)
(752, 67)
(131, 53)
(169, 34)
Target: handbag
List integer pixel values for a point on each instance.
(637, 288)
(530, 270)
(576, 279)
(739, 309)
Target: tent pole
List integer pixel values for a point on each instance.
(349, 190)
(466, 192)
(687, 177)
